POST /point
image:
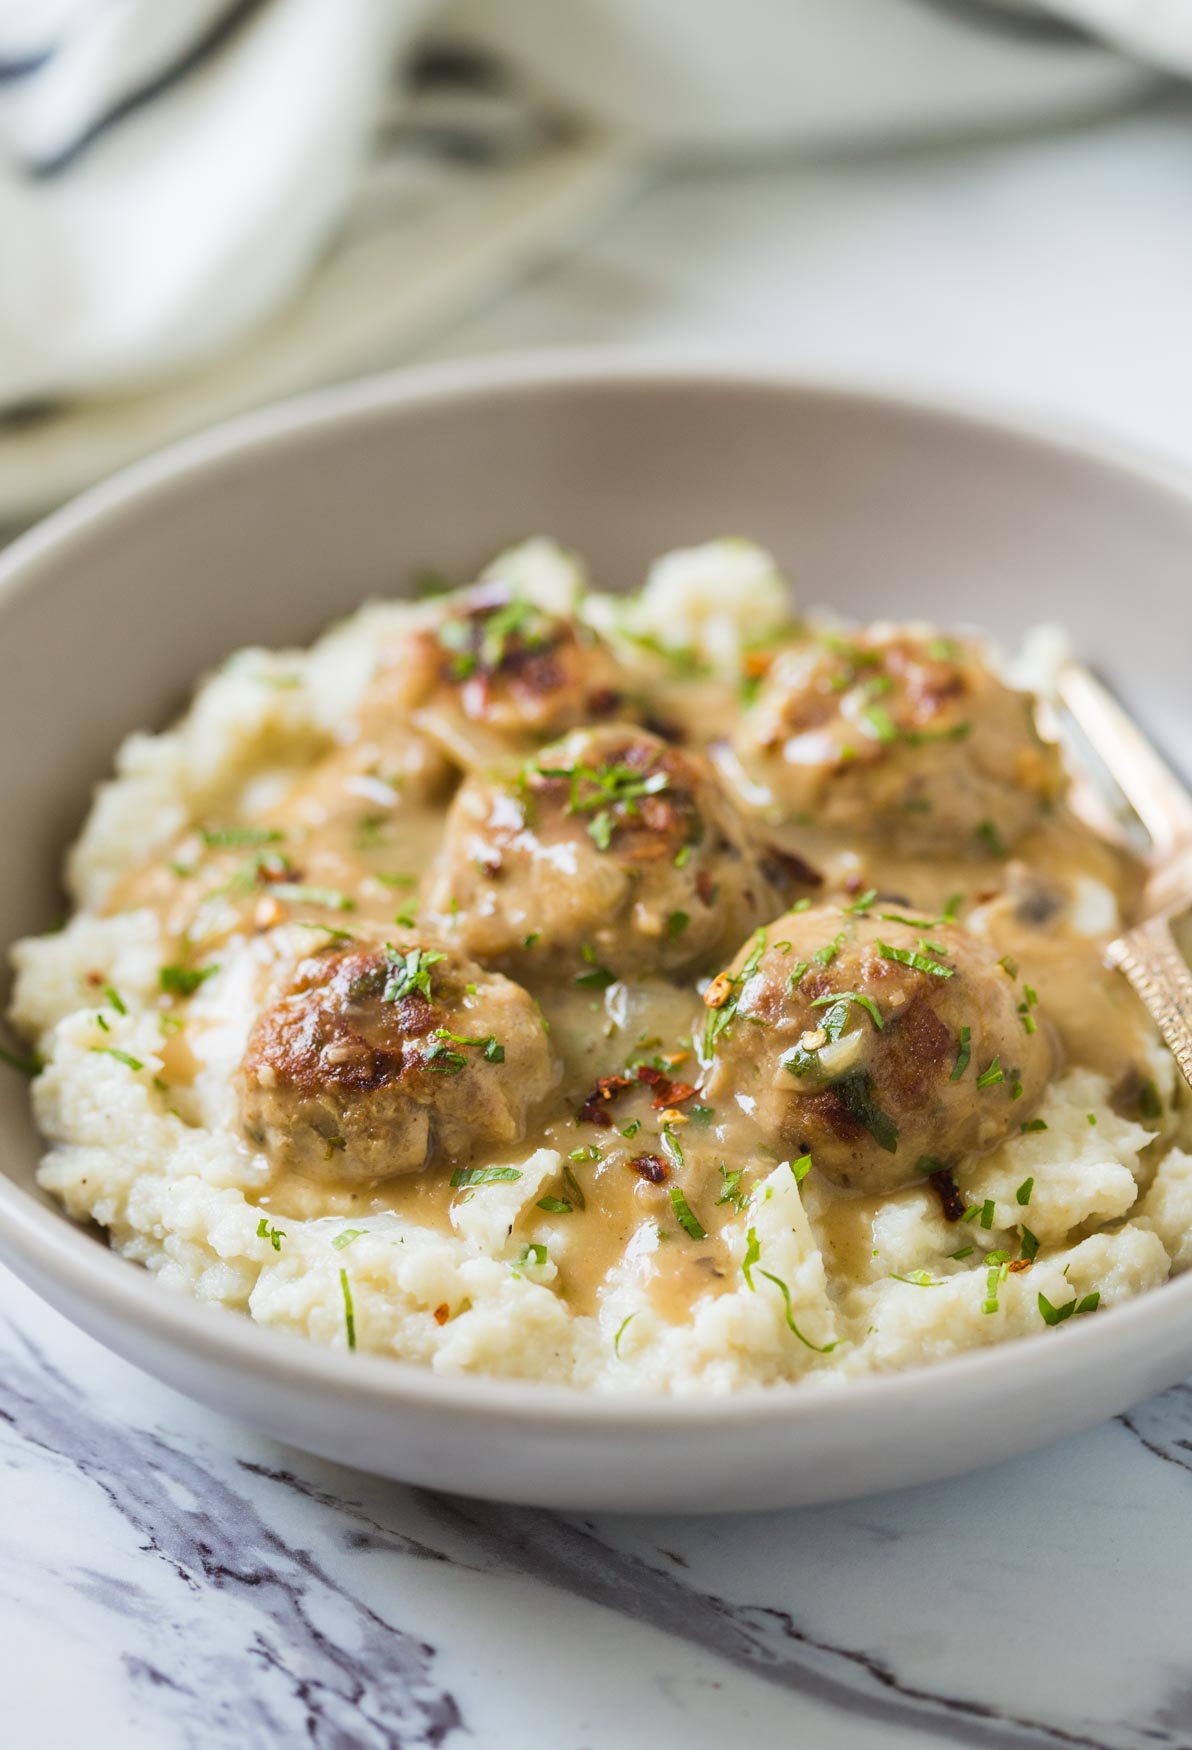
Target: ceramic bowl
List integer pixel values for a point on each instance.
(266, 530)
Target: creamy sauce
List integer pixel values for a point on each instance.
(349, 842)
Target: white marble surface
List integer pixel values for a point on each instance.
(169, 1580)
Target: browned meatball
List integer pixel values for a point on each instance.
(612, 847)
(900, 737)
(380, 1058)
(498, 670)
(883, 1049)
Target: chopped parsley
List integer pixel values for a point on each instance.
(1149, 1104)
(676, 923)
(732, 1192)
(223, 837)
(852, 996)
(1055, 1315)
(595, 976)
(963, 1055)
(991, 1076)
(490, 1046)
(444, 1062)
(275, 1235)
(1030, 1245)
(329, 930)
(683, 1213)
(124, 1057)
(184, 981)
(484, 1176)
(632, 1128)
(861, 905)
(299, 893)
(721, 1014)
(920, 962)
(855, 1093)
(701, 1116)
(671, 1144)
(999, 1263)
(878, 724)
(621, 1329)
(918, 1279)
(820, 1349)
(801, 1168)
(1023, 1194)
(533, 1253)
(753, 1252)
(1033, 1124)
(409, 972)
(349, 1312)
(114, 1000)
(346, 1237)
(991, 838)
(554, 1206)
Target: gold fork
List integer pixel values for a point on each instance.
(1148, 954)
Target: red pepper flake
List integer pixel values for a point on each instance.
(666, 1092)
(945, 1188)
(650, 1167)
(1019, 1264)
(442, 1314)
(593, 1109)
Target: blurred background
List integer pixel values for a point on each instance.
(208, 204)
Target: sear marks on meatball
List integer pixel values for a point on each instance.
(901, 737)
(382, 1058)
(499, 674)
(885, 1048)
(611, 853)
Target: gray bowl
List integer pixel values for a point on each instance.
(267, 529)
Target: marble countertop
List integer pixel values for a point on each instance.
(170, 1580)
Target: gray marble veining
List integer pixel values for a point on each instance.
(178, 1581)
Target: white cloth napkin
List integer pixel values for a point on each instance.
(169, 169)
(174, 171)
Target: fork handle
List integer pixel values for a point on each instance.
(1151, 960)
(1160, 799)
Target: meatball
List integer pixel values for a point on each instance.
(882, 1048)
(901, 737)
(612, 847)
(498, 673)
(381, 1058)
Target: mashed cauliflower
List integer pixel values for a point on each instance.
(221, 871)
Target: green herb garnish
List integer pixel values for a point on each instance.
(225, 837)
(1055, 1315)
(123, 1057)
(920, 962)
(183, 981)
(963, 1055)
(683, 1214)
(484, 1176)
(275, 1235)
(349, 1313)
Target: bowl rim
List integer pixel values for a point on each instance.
(42, 1242)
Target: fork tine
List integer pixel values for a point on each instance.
(1159, 798)
(1151, 960)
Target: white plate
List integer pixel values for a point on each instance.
(262, 532)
